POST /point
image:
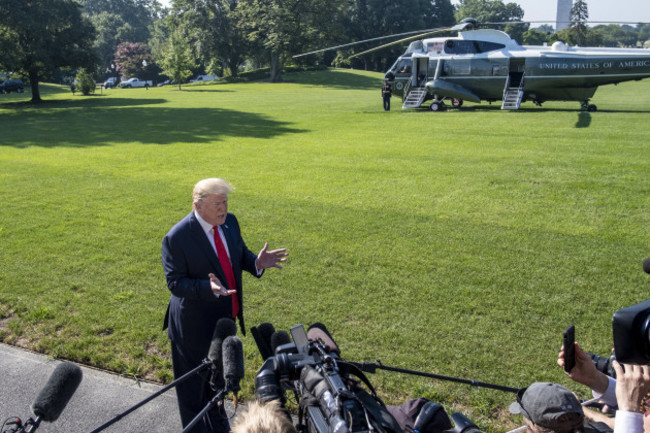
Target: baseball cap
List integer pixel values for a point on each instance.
(549, 405)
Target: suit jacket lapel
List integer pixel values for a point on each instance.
(202, 240)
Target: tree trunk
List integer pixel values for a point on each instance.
(276, 68)
(233, 67)
(33, 82)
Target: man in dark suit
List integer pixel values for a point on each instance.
(203, 257)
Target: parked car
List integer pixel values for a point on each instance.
(8, 86)
(110, 82)
(204, 78)
(136, 82)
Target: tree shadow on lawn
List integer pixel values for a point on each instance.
(98, 127)
(92, 101)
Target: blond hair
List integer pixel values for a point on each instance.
(213, 185)
(266, 417)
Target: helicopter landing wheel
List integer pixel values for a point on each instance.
(437, 106)
(457, 102)
(586, 106)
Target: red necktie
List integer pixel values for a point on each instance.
(227, 269)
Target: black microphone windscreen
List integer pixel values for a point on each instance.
(266, 330)
(233, 358)
(318, 332)
(646, 265)
(279, 338)
(262, 335)
(225, 328)
(57, 392)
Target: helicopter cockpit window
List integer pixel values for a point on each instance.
(415, 47)
(470, 47)
(404, 67)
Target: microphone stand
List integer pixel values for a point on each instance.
(369, 367)
(30, 425)
(215, 400)
(204, 365)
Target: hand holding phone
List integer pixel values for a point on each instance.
(569, 348)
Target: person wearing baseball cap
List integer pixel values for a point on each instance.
(549, 408)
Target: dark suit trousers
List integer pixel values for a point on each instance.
(195, 393)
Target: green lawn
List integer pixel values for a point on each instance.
(459, 243)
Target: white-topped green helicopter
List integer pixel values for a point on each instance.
(487, 65)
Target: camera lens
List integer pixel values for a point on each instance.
(267, 387)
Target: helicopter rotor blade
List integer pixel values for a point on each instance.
(496, 23)
(401, 41)
(418, 33)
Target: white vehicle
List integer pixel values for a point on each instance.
(110, 82)
(135, 82)
(204, 78)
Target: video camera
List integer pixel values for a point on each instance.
(328, 390)
(631, 332)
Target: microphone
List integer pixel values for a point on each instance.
(319, 333)
(262, 335)
(55, 395)
(278, 339)
(225, 328)
(646, 265)
(233, 364)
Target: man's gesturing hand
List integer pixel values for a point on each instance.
(218, 288)
(271, 259)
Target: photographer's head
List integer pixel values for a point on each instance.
(549, 408)
(268, 417)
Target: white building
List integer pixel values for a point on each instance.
(563, 18)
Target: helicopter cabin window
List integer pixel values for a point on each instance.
(435, 47)
(461, 68)
(470, 47)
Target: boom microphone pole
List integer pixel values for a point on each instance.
(203, 366)
(370, 367)
(223, 328)
(233, 372)
(215, 400)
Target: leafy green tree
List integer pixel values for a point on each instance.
(178, 62)
(489, 11)
(138, 14)
(579, 33)
(285, 27)
(579, 16)
(84, 82)
(494, 11)
(439, 13)
(39, 36)
(111, 30)
(644, 33)
(534, 37)
(119, 21)
(376, 18)
(614, 35)
(214, 33)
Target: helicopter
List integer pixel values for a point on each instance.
(482, 64)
